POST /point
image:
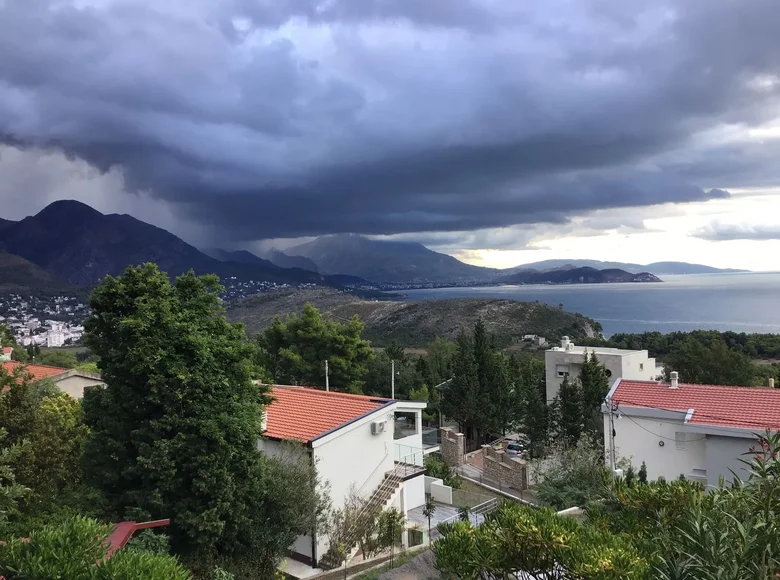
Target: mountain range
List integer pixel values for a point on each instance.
(70, 243)
(79, 245)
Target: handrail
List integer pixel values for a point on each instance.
(381, 461)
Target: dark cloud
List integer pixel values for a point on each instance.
(267, 119)
(720, 232)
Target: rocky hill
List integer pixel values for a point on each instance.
(584, 275)
(416, 324)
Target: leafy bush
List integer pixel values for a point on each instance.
(76, 549)
(438, 468)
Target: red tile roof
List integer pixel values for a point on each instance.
(7, 350)
(303, 414)
(756, 408)
(38, 372)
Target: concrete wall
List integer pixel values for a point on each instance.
(723, 456)
(441, 493)
(75, 385)
(656, 442)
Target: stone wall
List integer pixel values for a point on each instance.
(503, 469)
(453, 446)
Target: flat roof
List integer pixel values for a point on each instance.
(304, 414)
(577, 349)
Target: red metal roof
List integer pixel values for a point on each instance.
(38, 372)
(123, 531)
(755, 408)
(303, 414)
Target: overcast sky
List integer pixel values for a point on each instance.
(499, 131)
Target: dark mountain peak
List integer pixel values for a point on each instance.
(69, 210)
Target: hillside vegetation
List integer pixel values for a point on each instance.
(16, 273)
(417, 324)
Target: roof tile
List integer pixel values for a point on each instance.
(728, 406)
(38, 372)
(303, 414)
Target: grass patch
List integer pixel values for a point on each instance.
(400, 560)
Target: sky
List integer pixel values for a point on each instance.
(496, 131)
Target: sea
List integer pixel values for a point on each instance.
(742, 302)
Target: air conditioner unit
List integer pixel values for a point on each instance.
(378, 427)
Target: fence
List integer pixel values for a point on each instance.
(476, 516)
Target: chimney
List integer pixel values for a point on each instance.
(264, 420)
(565, 343)
(771, 383)
(673, 383)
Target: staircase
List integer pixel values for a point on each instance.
(380, 497)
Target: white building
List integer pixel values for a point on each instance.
(700, 431)
(5, 353)
(55, 338)
(354, 444)
(566, 361)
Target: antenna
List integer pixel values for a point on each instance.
(392, 379)
(327, 382)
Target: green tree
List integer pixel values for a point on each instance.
(642, 475)
(56, 357)
(287, 500)
(76, 549)
(174, 433)
(462, 399)
(429, 509)
(440, 359)
(294, 351)
(713, 365)
(516, 541)
(568, 410)
(594, 386)
(530, 393)
(11, 492)
(572, 475)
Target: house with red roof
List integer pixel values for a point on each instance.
(367, 445)
(700, 431)
(70, 381)
(5, 353)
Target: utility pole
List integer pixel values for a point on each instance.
(392, 379)
(327, 382)
(612, 409)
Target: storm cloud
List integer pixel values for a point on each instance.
(272, 119)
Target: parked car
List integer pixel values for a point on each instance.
(514, 448)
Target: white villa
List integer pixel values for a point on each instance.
(369, 444)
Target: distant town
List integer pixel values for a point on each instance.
(56, 321)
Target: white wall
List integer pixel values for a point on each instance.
(633, 365)
(638, 438)
(724, 455)
(441, 493)
(415, 492)
(352, 456)
(75, 385)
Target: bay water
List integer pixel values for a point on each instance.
(742, 302)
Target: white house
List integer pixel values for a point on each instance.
(566, 361)
(5, 353)
(700, 431)
(355, 445)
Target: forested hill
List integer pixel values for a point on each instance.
(417, 324)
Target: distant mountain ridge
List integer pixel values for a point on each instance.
(583, 275)
(81, 245)
(657, 268)
(384, 261)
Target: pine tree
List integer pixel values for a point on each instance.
(462, 401)
(571, 420)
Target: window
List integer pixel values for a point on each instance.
(641, 366)
(405, 425)
(562, 370)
